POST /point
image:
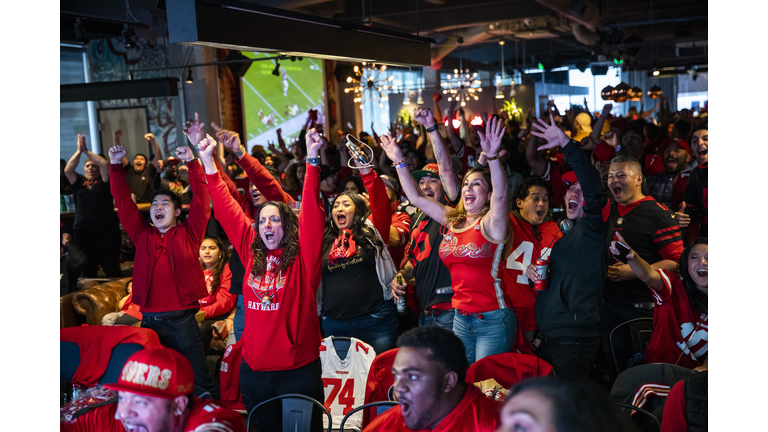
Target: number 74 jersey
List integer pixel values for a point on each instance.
(345, 380)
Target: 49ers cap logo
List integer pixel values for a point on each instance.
(160, 372)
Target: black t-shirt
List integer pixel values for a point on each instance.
(140, 184)
(697, 197)
(428, 268)
(653, 233)
(351, 287)
(177, 185)
(94, 207)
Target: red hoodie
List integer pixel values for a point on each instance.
(283, 334)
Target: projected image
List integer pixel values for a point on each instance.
(280, 97)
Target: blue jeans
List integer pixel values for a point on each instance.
(441, 318)
(183, 334)
(378, 329)
(486, 333)
(238, 323)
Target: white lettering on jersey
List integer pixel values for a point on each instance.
(526, 250)
(700, 334)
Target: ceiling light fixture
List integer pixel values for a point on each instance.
(128, 35)
(370, 85)
(420, 100)
(656, 71)
(189, 79)
(276, 71)
(499, 92)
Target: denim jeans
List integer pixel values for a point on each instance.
(238, 323)
(442, 319)
(486, 333)
(258, 386)
(378, 329)
(182, 334)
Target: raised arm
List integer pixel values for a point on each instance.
(443, 158)
(597, 129)
(312, 213)
(535, 159)
(456, 142)
(127, 211)
(438, 114)
(74, 161)
(116, 142)
(381, 210)
(640, 267)
(158, 155)
(277, 154)
(199, 208)
(429, 206)
(497, 219)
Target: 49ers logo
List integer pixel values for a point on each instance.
(449, 246)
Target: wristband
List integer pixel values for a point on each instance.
(313, 161)
(240, 152)
(401, 161)
(492, 158)
(432, 129)
(400, 165)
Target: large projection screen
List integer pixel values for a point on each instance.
(280, 102)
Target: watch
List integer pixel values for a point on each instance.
(432, 129)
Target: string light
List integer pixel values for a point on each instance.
(462, 86)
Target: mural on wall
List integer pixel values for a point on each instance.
(109, 60)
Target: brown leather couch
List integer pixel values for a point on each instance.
(91, 302)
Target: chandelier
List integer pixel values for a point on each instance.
(462, 86)
(369, 84)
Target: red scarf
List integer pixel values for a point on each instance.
(268, 281)
(343, 247)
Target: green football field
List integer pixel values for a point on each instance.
(263, 93)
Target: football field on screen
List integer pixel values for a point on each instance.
(267, 106)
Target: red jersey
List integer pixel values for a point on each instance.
(206, 415)
(477, 267)
(467, 157)
(229, 374)
(529, 243)
(677, 331)
(281, 325)
(401, 221)
(475, 413)
(219, 301)
(380, 382)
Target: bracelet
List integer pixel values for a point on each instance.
(313, 161)
(400, 165)
(240, 152)
(432, 129)
(490, 158)
(401, 161)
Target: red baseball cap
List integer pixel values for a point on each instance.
(620, 123)
(159, 372)
(429, 170)
(603, 151)
(569, 178)
(172, 161)
(682, 143)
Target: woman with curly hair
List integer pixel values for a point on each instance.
(282, 255)
(357, 268)
(473, 245)
(219, 302)
(681, 316)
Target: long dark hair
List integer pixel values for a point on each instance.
(363, 234)
(289, 243)
(218, 268)
(595, 412)
(696, 298)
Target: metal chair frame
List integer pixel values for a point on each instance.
(290, 403)
(635, 337)
(646, 412)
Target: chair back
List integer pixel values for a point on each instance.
(297, 412)
(641, 330)
(633, 409)
(380, 408)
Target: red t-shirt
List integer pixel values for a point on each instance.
(475, 413)
(205, 415)
(477, 268)
(677, 331)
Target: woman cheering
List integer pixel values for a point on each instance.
(282, 257)
(476, 232)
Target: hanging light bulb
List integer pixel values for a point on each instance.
(419, 100)
(407, 98)
(499, 93)
(512, 91)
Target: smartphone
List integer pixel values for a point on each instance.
(623, 251)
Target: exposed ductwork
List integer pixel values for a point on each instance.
(581, 11)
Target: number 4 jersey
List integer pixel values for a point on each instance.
(344, 380)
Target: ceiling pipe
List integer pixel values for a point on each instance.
(471, 36)
(581, 11)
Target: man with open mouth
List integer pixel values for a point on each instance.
(676, 157)
(654, 234)
(697, 191)
(155, 395)
(430, 371)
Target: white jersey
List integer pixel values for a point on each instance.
(345, 380)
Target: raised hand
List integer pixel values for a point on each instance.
(279, 131)
(118, 133)
(491, 141)
(81, 144)
(184, 153)
(314, 142)
(587, 143)
(149, 137)
(391, 148)
(228, 138)
(116, 153)
(606, 110)
(615, 249)
(424, 116)
(483, 158)
(206, 147)
(611, 139)
(193, 129)
(554, 135)
(682, 219)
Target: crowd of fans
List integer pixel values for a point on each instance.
(608, 213)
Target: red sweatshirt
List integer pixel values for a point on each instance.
(244, 201)
(265, 183)
(220, 301)
(381, 210)
(183, 240)
(283, 334)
